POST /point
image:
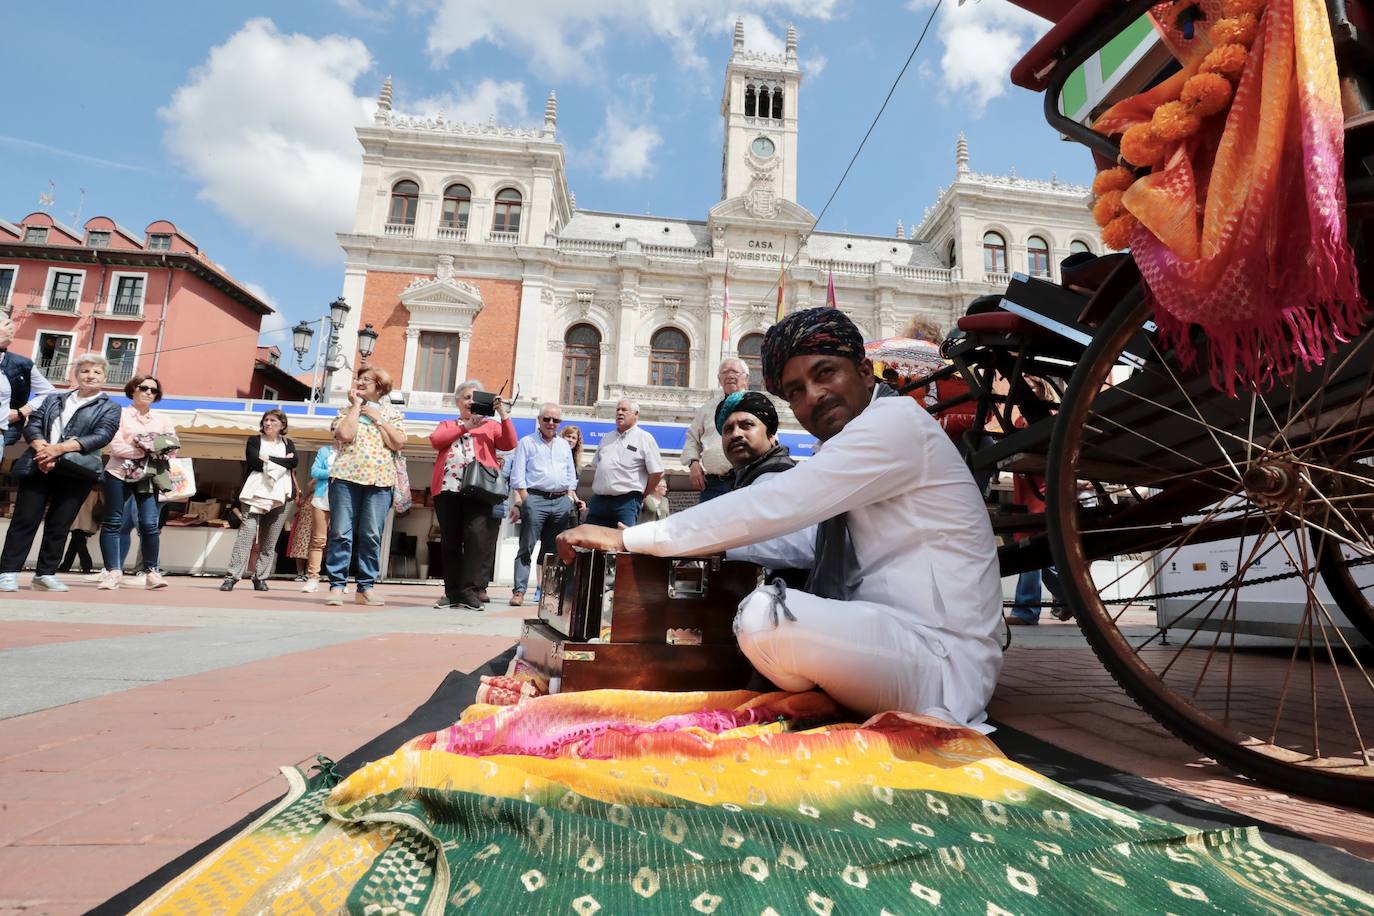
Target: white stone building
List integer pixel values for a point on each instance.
(470, 255)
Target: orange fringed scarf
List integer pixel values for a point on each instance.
(1241, 229)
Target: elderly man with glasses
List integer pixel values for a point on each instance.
(545, 483)
(702, 453)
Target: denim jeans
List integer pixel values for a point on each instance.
(609, 510)
(357, 517)
(541, 520)
(120, 498)
(1028, 593)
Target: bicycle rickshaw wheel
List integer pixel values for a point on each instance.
(1350, 589)
(1233, 490)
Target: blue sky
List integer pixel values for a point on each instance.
(235, 120)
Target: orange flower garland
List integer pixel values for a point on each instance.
(1204, 94)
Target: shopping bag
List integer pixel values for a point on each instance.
(183, 474)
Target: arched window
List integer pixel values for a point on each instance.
(1037, 256)
(507, 211)
(994, 253)
(457, 204)
(751, 351)
(668, 355)
(777, 104)
(749, 101)
(405, 200)
(1078, 245)
(953, 255)
(581, 366)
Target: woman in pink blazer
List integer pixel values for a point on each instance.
(464, 538)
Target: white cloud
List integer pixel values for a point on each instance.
(627, 148)
(257, 289)
(504, 100)
(565, 40)
(265, 125)
(982, 40)
(814, 65)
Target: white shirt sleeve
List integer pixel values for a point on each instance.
(692, 448)
(653, 462)
(880, 452)
(39, 387)
(790, 551)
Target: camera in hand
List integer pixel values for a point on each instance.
(483, 403)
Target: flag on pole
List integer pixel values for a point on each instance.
(725, 314)
(782, 267)
(830, 291)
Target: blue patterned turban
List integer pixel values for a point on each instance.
(753, 402)
(820, 331)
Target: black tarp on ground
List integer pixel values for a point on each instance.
(1137, 793)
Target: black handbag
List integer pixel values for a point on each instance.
(79, 465)
(482, 483)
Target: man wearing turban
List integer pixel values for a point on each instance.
(902, 610)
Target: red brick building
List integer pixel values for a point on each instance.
(150, 302)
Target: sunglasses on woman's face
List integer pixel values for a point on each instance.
(148, 388)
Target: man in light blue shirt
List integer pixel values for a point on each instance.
(545, 484)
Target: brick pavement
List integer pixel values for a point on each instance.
(1054, 688)
(97, 793)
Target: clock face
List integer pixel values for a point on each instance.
(762, 147)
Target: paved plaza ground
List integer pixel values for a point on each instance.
(135, 724)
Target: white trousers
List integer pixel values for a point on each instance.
(860, 653)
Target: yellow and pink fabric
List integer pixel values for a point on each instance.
(727, 803)
(1242, 230)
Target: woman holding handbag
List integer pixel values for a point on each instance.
(128, 478)
(464, 496)
(269, 485)
(55, 475)
(367, 437)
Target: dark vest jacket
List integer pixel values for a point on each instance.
(17, 369)
(772, 461)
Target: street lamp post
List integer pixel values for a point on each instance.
(329, 358)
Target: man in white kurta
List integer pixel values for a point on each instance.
(918, 629)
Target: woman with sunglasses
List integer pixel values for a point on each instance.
(125, 485)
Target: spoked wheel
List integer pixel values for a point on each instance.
(1197, 560)
(1347, 574)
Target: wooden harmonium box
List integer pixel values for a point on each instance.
(620, 620)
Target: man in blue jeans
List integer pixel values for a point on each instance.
(627, 466)
(1026, 611)
(544, 481)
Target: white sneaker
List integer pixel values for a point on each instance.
(9, 582)
(154, 580)
(110, 578)
(311, 585)
(49, 584)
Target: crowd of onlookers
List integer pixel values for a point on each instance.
(96, 468)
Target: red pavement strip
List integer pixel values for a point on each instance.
(20, 634)
(95, 795)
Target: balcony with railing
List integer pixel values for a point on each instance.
(55, 368)
(590, 246)
(124, 307)
(503, 238)
(676, 252)
(930, 274)
(65, 304)
(453, 233)
(399, 230)
(119, 373)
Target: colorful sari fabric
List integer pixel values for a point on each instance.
(627, 802)
(1243, 229)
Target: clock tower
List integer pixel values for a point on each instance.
(760, 110)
